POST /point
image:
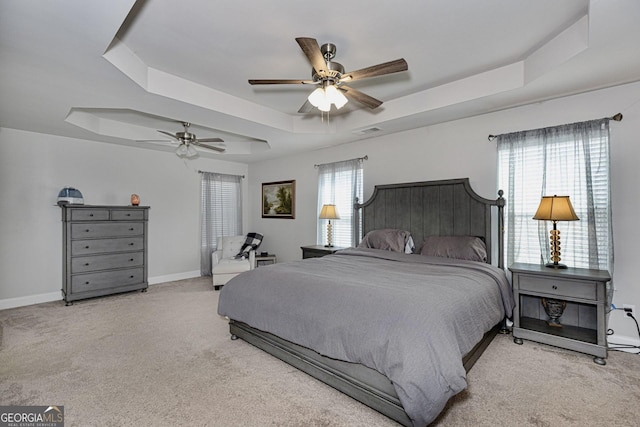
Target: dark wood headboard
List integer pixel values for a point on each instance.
(444, 208)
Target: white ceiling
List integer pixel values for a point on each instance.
(116, 71)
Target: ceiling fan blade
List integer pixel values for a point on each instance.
(376, 70)
(208, 140)
(362, 98)
(314, 55)
(156, 140)
(168, 134)
(306, 107)
(281, 82)
(209, 147)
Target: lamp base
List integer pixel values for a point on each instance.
(555, 265)
(328, 246)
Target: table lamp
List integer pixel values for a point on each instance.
(329, 212)
(555, 208)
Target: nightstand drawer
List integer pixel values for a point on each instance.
(566, 288)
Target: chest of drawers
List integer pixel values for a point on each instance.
(104, 250)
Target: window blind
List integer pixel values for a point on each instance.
(339, 183)
(569, 160)
(221, 213)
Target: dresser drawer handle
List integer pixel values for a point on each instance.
(131, 229)
(90, 214)
(554, 287)
(86, 263)
(87, 230)
(86, 247)
(131, 244)
(132, 276)
(131, 260)
(86, 283)
(128, 214)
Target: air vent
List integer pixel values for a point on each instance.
(367, 131)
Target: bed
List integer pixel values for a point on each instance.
(394, 330)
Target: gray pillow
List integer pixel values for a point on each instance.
(459, 247)
(389, 239)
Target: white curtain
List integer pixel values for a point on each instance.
(339, 184)
(569, 160)
(221, 213)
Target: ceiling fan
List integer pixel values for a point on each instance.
(188, 140)
(331, 78)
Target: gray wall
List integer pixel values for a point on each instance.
(34, 167)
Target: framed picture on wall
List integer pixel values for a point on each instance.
(279, 199)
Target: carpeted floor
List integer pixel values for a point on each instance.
(164, 358)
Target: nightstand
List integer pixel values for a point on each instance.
(581, 291)
(317, 251)
(265, 260)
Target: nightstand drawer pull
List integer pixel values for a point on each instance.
(554, 287)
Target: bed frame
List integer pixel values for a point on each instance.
(447, 208)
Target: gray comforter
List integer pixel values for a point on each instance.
(410, 317)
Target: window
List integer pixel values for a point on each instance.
(339, 184)
(221, 213)
(570, 160)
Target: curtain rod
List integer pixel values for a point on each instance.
(617, 117)
(357, 158)
(199, 171)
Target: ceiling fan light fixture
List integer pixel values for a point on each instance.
(181, 151)
(335, 97)
(323, 97)
(325, 106)
(317, 97)
(191, 152)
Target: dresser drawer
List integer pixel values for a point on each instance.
(107, 229)
(127, 214)
(106, 279)
(104, 262)
(86, 247)
(566, 288)
(89, 214)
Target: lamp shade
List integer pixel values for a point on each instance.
(329, 212)
(555, 208)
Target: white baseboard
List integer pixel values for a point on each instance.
(624, 340)
(30, 300)
(57, 296)
(173, 277)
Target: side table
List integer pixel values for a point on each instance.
(317, 251)
(265, 260)
(580, 296)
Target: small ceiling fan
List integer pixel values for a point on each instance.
(331, 78)
(187, 140)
